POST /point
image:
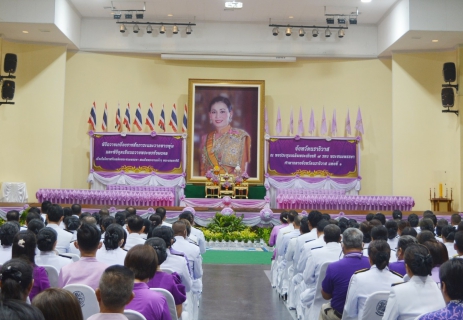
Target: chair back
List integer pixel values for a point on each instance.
(318, 300)
(375, 305)
(86, 297)
(52, 273)
(73, 256)
(133, 315)
(170, 301)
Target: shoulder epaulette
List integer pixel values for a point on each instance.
(68, 231)
(64, 256)
(309, 240)
(72, 241)
(455, 256)
(316, 248)
(125, 249)
(286, 232)
(396, 284)
(396, 273)
(178, 254)
(361, 270)
(193, 242)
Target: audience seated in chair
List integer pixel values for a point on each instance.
(15, 309)
(404, 242)
(16, 279)
(111, 252)
(135, 229)
(54, 219)
(46, 243)
(58, 304)
(7, 232)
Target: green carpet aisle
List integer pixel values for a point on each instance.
(237, 257)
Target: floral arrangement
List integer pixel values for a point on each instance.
(226, 184)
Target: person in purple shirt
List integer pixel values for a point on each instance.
(452, 290)
(402, 244)
(273, 236)
(143, 262)
(164, 280)
(24, 247)
(338, 274)
(16, 275)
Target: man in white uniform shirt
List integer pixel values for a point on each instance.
(459, 245)
(54, 218)
(161, 211)
(135, 229)
(7, 232)
(313, 219)
(287, 253)
(196, 235)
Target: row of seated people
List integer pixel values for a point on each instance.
(316, 257)
(175, 247)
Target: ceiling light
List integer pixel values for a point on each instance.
(162, 29)
(366, 1)
(175, 29)
(189, 30)
(341, 20)
(353, 20)
(330, 20)
(301, 32)
(288, 31)
(136, 29)
(25, 31)
(327, 33)
(275, 31)
(149, 29)
(170, 15)
(117, 16)
(139, 16)
(233, 5)
(128, 16)
(290, 17)
(341, 33)
(435, 40)
(315, 33)
(122, 28)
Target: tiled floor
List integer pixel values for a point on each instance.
(240, 292)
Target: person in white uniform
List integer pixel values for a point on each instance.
(46, 243)
(111, 252)
(195, 233)
(367, 281)
(312, 220)
(7, 233)
(392, 234)
(54, 218)
(448, 237)
(161, 211)
(135, 229)
(420, 294)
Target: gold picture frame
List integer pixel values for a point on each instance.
(247, 100)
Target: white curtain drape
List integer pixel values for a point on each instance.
(14, 192)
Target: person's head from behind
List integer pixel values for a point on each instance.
(58, 304)
(438, 252)
(440, 224)
(12, 215)
(88, 239)
(379, 233)
(7, 233)
(402, 224)
(120, 217)
(321, 226)
(352, 240)
(46, 239)
(427, 224)
(413, 220)
(179, 228)
(115, 290)
(165, 233)
(418, 261)
(397, 215)
(103, 213)
(72, 223)
(379, 216)
(16, 279)
(44, 206)
(379, 253)
(332, 233)
(369, 216)
(365, 227)
(76, 209)
(135, 224)
(54, 214)
(425, 236)
(155, 220)
(32, 215)
(404, 242)
(113, 237)
(284, 217)
(161, 211)
(88, 219)
(106, 221)
(187, 226)
(19, 310)
(459, 242)
(392, 229)
(292, 214)
(35, 225)
(409, 231)
(143, 262)
(220, 112)
(24, 246)
(67, 212)
(455, 219)
(451, 280)
(97, 217)
(159, 245)
(314, 218)
(326, 216)
(187, 215)
(448, 233)
(131, 211)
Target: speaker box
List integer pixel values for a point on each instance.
(449, 71)
(448, 97)
(8, 90)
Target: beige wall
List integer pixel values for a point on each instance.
(425, 142)
(31, 131)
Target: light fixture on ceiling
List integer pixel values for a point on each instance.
(122, 28)
(353, 20)
(341, 33)
(117, 16)
(149, 26)
(366, 1)
(301, 32)
(315, 33)
(275, 31)
(327, 33)
(233, 5)
(136, 29)
(189, 30)
(162, 29)
(342, 17)
(175, 29)
(128, 15)
(435, 40)
(330, 20)
(302, 28)
(170, 15)
(341, 20)
(149, 29)
(139, 15)
(25, 31)
(288, 31)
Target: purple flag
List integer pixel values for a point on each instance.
(300, 124)
(278, 126)
(291, 123)
(348, 129)
(359, 123)
(334, 125)
(323, 129)
(266, 121)
(312, 123)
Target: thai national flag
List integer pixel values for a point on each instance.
(173, 119)
(92, 118)
(127, 117)
(162, 120)
(185, 119)
(138, 119)
(150, 118)
(118, 118)
(104, 125)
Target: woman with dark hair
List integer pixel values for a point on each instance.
(35, 225)
(46, 242)
(24, 246)
(402, 245)
(439, 255)
(365, 227)
(7, 233)
(16, 279)
(420, 294)
(452, 291)
(164, 280)
(143, 262)
(111, 252)
(72, 223)
(15, 309)
(58, 304)
(155, 220)
(448, 238)
(367, 281)
(392, 236)
(225, 147)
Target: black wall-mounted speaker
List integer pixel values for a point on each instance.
(450, 72)
(10, 63)
(448, 97)
(8, 90)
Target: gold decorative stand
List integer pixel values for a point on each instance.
(226, 186)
